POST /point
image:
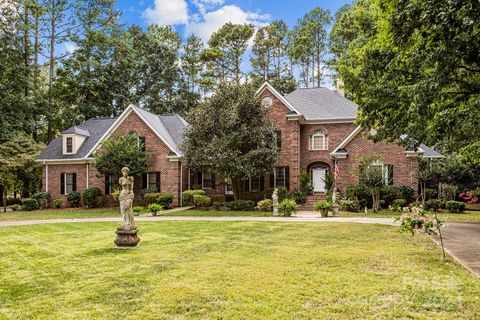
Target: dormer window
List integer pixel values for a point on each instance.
(73, 139)
(318, 141)
(69, 144)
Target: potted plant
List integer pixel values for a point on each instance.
(287, 207)
(323, 206)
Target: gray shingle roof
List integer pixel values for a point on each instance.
(322, 104)
(96, 127)
(430, 153)
(77, 130)
(170, 127)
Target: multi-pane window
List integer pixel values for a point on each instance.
(207, 180)
(69, 144)
(68, 182)
(228, 186)
(385, 169)
(112, 183)
(252, 184)
(318, 141)
(280, 177)
(153, 180)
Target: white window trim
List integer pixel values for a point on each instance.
(148, 180)
(275, 177)
(65, 182)
(65, 137)
(203, 187)
(385, 172)
(318, 134)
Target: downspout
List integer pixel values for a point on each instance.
(46, 177)
(181, 183)
(87, 174)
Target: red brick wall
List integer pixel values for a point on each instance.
(290, 131)
(336, 133)
(404, 168)
(169, 170)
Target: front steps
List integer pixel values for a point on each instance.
(311, 199)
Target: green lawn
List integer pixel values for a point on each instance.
(59, 214)
(230, 270)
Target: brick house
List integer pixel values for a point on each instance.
(316, 129)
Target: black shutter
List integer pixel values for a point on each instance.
(107, 184)
(279, 138)
(213, 182)
(74, 181)
(158, 181)
(144, 181)
(199, 181)
(287, 178)
(272, 181)
(62, 183)
(142, 141)
(262, 183)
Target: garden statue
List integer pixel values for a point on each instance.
(275, 202)
(126, 233)
(335, 200)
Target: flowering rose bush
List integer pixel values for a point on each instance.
(469, 197)
(416, 218)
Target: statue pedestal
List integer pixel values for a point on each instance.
(126, 236)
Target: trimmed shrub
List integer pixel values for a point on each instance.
(388, 194)
(267, 194)
(150, 198)
(217, 198)
(188, 196)
(15, 207)
(264, 205)
(298, 196)
(241, 205)
(455, 206)
(30, 204)
(349, 205)
(11, 201)
(398, 204)
(165, 200)
(145, 191)
(287, 207)
(360, 194)
(406, 193)
(92, 197)
(154, 208)
(201, 201)
(44, 199)
(433, 205)
(58, 203)
(74, 199)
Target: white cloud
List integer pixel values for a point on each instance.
(168, 12)
(208, 22)
(70, 47)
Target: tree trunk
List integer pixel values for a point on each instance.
(237, 188)
(4, 197)
(51, 71)
(26, 46)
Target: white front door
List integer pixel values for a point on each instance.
(318, 174)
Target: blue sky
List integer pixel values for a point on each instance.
(205, 16)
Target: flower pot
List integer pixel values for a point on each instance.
(324, 213)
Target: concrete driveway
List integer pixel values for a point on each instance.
(462, 242)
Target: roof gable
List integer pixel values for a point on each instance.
(269, 87)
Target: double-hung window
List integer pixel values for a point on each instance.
(280, 177)
(253, 184)
(69, 144)
(68, 182)
(153, 181)
(207, 181)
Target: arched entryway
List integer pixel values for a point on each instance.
(318, 172)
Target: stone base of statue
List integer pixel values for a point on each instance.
(335, 210)
(126, 236)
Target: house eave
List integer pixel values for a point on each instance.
(328, 121)
(64, 161)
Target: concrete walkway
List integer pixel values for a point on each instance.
(299, 218)
(462, 242)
